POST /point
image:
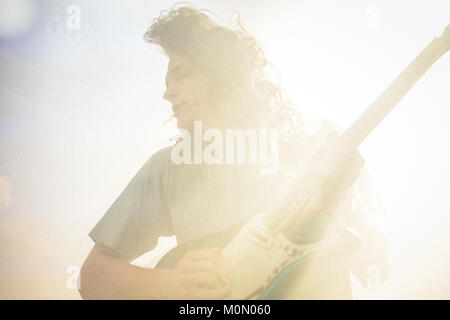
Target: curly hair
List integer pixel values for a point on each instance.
(233, 57)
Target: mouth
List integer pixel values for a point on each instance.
(176, 108)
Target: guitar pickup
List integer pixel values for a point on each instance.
(260, 237)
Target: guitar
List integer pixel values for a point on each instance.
(266, 247)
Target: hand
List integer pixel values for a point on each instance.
(200, 274)
(343, 176)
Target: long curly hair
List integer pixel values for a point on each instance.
(235, 60)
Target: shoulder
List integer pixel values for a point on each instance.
(161, 157)
(157, 164)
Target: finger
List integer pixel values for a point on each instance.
(348, 177)
(359, 160)
(204, 254)
(201, 266)
(342, 179)
(200, 279)
(351, 169)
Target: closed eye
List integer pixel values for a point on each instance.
(178, 77)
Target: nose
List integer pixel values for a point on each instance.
(170, 94)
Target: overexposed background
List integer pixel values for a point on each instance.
(81, 110)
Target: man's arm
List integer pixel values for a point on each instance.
(104, 275)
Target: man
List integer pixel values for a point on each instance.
(217, 77)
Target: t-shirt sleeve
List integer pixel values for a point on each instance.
(139, 216)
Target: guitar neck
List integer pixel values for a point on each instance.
(274, 219)
(387, 100)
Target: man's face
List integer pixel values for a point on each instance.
(188, 89)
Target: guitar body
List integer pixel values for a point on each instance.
(259, 270)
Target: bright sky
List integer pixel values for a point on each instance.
(82, 110)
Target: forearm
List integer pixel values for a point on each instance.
(106, 277)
